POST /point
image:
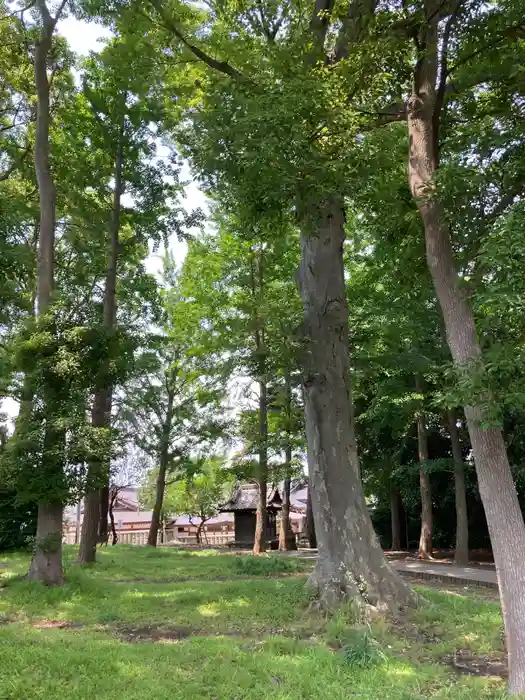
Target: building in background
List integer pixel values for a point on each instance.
(132, 524)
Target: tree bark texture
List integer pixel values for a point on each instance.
(395, 517)
(46, 564)
(96, 503)
(496, 485)
(461, 557)
(89, 533)
(164, 460)
(351, 563)
(425, 490)
(310, 525)
(46, 185)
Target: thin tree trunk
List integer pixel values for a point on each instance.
(103, 402)
(351, 563)
(261, 519)
(261, 522)
(310, 525)
(96, 503)
(496, 485)
(89, 533)
(156, 516)
(395, 516)
(286, 535)
(461, 557)
(114, 536)
(46, 564)
(103, 511)
(425, 488)
(160, 487)
(77, 522)
(198, 533)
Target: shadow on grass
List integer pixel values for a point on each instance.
(54, 664)
(273, 645)
(251, 605)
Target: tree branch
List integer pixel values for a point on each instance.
(21, 10)
(513, 31)
(220, 66)
(442, 79)
(357, 17)
(59, 11)
(396, 112)
(320, 20)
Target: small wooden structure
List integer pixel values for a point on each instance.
(243, 505)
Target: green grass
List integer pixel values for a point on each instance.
(128, 563)
(247, 635)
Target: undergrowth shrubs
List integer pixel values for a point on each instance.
(361, 649)
(264, 565)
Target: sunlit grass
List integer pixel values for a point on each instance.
(245, 637)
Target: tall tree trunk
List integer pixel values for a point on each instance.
(286, 535)
(114, 536)
(46, 564)
(261, 522)
(261, 517)
(89, 532)
(199, 531)
(461, 557)
(310, 525)
(103, 401)
(395, 517)
(351, 563)
(425, 488)
(96, 502)
(496, 485)
(164, 461)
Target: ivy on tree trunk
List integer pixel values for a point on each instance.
(46, 565)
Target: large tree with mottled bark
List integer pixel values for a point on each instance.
(271, 90)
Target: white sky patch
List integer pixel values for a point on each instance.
(83, 37)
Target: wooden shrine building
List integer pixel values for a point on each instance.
(243, 505)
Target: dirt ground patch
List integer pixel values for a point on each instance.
(449, 586)
(464, 661)
(150, 633)
(153, 633)
(215, 579)
(57, 624)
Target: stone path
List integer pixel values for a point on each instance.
(432, 570)
(443, 572)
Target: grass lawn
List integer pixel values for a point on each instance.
(207, 626)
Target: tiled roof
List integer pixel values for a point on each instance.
(246, 497)
(217, 520)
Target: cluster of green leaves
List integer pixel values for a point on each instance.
(198, 490)
(53, 367)
(282, 108)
